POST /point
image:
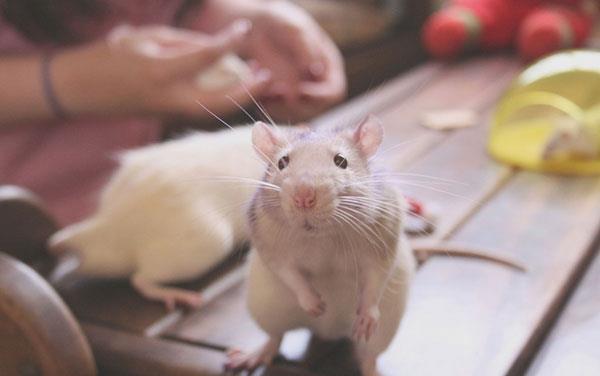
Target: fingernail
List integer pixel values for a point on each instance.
(254, 65)
(263, 75)
(305, 97)
(242, 26)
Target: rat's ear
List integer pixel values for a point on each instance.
(266, 140)
(368, 136)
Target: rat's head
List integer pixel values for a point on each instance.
(316, 171)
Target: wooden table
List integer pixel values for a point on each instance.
(464, 317)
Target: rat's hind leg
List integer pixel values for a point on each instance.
(169, 295)
(264, 355)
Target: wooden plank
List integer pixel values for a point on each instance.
(474, 85)
(214, 325)
(573, 347)
(454, 180)
(122, 307)
(38, 334)
(395, 91)
(121, 353)
(370, 65)
(472, 318)
(431, 86)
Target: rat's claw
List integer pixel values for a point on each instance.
(365, 324)
(313, 304)
(319, 309)
(238, 360)
(170, 296)
(184, 298)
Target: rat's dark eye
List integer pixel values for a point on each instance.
(283, 162)
(340, 161)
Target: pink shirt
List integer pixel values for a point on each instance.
(67, 163)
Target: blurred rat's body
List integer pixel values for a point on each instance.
(171, 212)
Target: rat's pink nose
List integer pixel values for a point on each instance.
(305, 197)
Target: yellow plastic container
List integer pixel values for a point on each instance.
(549, 119)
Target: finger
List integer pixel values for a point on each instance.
(329, 90)
(332, 85)
(306, 55)
(201, 55)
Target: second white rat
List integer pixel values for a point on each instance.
(171, 212)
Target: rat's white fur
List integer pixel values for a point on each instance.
(341, 268)
(169, 213)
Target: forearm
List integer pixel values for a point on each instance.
(91, 81)
(75, 83)
(296, 281)
(21, 97)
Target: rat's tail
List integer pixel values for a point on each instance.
(72, 238)
(424, 250)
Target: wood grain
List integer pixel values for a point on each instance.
(38, 333)
(121, 353)
(470, 318)
(573, 347)
(122, 307)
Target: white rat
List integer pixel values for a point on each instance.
(330, 251)
(571, 138)
(170, 213)
(174, 210)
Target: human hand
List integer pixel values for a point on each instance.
(307, 68)
(308, 71)
(152, 71)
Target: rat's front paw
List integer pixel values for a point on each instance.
(366, 323)
(313, 304)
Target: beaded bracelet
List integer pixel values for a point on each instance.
(49, 94)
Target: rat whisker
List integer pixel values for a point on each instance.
(403, 143)
(386, 211)
(258, 105)
(388, 179)
(374, 203)
(358, 212)
(411, 174)
(265, 156)
(340, 245)
(358, 228)
(243, 180)
(366, 228)
(351, 250)
(214, 115)
(344, 217)
(410, 183)
(415, 184)
(262, 110)
(252, 119)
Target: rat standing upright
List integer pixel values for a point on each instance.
(330, 254)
